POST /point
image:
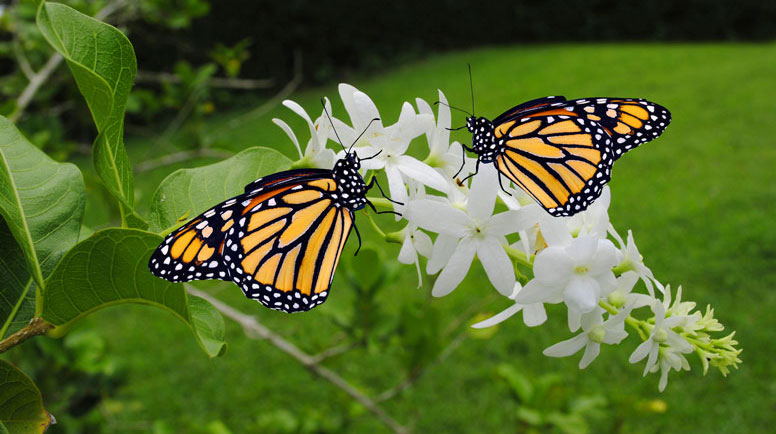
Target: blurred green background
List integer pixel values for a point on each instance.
(700, 202)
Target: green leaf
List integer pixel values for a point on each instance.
(17, 298)
(21, 406)
(188, 192)
(104, 66)
(111, 267)
(41, 203)
(519, 383)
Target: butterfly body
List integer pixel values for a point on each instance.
(279, 241)
(561, 152)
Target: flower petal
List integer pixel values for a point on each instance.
(509, 222)
(499, 317)
(484, 190)
(284, 126)
(641, 351)
(582, 249)
(567, 347)
(455, 270)
(555, 232)
(437, 217)
(536, 292)
(591, 352)
(359, 106)
(444, 246)
(553, 267)
(422, 243)
(407, 254)
(497, 265)
(422, 172)
(396, 187)
(534, 314)
(582, 294)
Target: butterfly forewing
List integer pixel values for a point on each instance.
(561, 160)
(284, 247)
(629, 121)
(534, 104)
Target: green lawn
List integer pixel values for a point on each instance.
(699, 201)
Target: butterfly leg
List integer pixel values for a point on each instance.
(463, 158)
(371, 205)
(374, 182)
(358, 234)
(476, 171)
(502, 185)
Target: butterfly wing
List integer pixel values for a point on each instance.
(629, 121)
(559, 159)
(192, 252)
(285, 246)
(533, 105)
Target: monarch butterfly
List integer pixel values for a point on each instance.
(279, 241)
(561, 152)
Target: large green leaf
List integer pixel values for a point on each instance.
(21, 407)
(111, 267)
(41, 203)
(17, 294)
(103, 63)
(188, 192)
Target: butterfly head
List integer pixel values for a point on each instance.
(483, 140)
(351, 189)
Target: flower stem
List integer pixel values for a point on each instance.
(380, 202)
(636, 324)
(374, 225)
(519, 256)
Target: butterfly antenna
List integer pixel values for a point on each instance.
(454, 108)
(362, 133)
(471, 85)
(323, 103)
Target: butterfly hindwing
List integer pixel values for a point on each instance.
(560, 159)
(287, 241)
(193, 251)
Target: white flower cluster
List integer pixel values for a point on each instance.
(573, 260)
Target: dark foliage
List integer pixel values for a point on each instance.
(347, 35)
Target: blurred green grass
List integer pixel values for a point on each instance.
(700, 202)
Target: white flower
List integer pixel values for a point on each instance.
(623, 295)
(517, 198)
(577, 271)
(474, 231)
(315, 152)
(670, 358)
(443, 155)
(632, 259)
(415, 242)
(594, 221)
(662, 337)
(388, 144)
(533, 314)
(595, 332)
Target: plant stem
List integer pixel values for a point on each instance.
(519, 256)
(636, 324)
(374, 226)
(381, 202)
(36, 327)
(253, 328)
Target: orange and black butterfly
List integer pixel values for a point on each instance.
(561, 152)
(280, 241)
